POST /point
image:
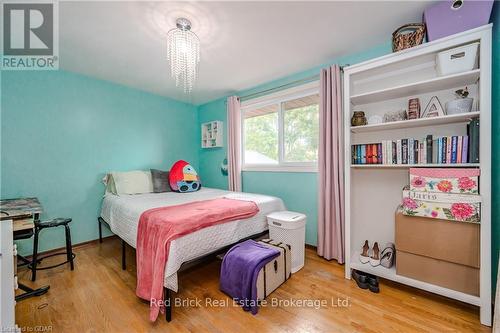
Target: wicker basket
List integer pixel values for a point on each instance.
(408, 35)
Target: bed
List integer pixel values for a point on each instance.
(122, 214)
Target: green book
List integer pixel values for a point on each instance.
(473, 131)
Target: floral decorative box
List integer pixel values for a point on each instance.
(454, 207)
(445, 180)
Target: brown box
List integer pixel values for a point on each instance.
(439, 272)
(455, 242)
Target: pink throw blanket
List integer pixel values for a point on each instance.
(159, 226)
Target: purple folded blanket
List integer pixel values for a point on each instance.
(240, 269)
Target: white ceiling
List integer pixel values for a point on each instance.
(243, 44)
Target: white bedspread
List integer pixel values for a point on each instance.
(123, 212)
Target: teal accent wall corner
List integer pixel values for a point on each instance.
(210, 159)
(298, 190)
(495, 176)
(62, 132)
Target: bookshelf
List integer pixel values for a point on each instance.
(211, 134)
(373, 191)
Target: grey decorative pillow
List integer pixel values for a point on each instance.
(160, 181)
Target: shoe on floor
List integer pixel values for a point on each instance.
(360, 278)
(372, 282)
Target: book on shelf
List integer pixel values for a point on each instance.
(428, 145)
(398, 152)
(435, 150)
(411, 151)
(473, 133)
(428, 150)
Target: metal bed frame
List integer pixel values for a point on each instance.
(167, 293)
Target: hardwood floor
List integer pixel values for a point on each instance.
(99, 297)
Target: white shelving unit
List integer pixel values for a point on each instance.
(421, 122)
(417, 88)
(373, 192)
(212, 134)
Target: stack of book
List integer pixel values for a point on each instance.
(367, 154)
(429, 150)
(441, 150)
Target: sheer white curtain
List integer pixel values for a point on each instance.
(234, 143)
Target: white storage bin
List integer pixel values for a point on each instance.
(457, 60)
(289, 228)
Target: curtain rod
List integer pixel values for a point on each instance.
(283, 86)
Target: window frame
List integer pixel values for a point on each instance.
(278, 98)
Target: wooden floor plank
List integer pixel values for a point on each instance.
(99, 297)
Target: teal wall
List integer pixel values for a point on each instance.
(496, 141)
(61, 132)
(297, 189)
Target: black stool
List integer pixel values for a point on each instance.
(28, 292)
(39, 226)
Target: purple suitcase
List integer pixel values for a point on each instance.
(450, 17)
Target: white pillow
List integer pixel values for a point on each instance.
(133, 182)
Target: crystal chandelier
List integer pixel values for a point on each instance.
(183, 52)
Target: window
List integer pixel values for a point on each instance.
(261, 135)
(280, 132)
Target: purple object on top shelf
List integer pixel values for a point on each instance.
(450, 17)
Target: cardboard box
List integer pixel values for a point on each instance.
(439, 272)
(454, 242)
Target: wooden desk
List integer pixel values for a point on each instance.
(21, 208)
(23, 211)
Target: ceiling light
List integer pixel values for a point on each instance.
(183, 52)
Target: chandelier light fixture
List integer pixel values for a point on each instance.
(183, 52)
